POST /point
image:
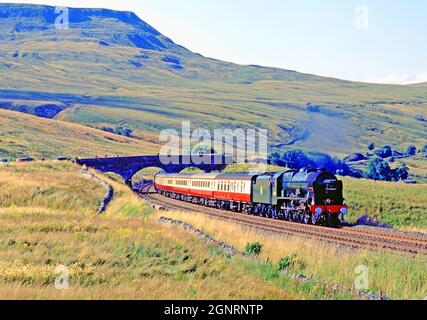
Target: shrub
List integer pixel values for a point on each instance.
(384, 152)
(401, 173)
(311, 108)
(424, 149)
(297, 159)
(420, 118)
(253, 249)
(276, 158)
(411, 151)
(290, 262)
(119, 130)
(371, 146)
(124, 131)
(378, 169)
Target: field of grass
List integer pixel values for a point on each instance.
(24, 135)
(47, 218)
(397, 204)
(398, 277)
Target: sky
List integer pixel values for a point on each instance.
(379, 41)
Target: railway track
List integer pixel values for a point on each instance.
(346, 236)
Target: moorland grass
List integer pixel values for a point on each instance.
(120, 255)
(399, 277)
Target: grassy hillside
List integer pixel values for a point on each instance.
(398, 277)
(120, 255)
(397, 204)
(24, 135)
(104, 80)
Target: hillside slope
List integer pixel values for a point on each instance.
(111, 68)
(120, 255)
(24, 135)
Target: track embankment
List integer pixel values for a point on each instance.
(352, 238)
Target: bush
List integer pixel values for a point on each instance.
(378, 169)
(371, 147)
(424, 149)
(401, 173)
(286, 263)
(290, 262)
(119, 130)
(411, 151)
(384, 152)
(420, 118)
(297, 159)
(311, 108)
(253, 249)
(276, 158)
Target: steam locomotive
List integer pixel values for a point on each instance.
(306, 196)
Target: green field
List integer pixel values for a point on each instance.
(397, 204)
(48, 217)
(24, 135)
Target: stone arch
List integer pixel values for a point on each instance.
(144, 175)
(127, 167)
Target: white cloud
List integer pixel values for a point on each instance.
(398, 78)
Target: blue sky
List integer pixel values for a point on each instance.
(365, 40)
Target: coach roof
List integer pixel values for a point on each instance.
(199, 176)
(237, 176)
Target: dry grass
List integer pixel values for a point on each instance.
(40, 138)
(121, 255)
(399, 277)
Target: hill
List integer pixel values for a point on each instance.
(23, 135)
(120, 255)
(112, 69)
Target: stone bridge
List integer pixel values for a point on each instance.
(127, 167)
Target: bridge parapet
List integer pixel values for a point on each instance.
(127, 167)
